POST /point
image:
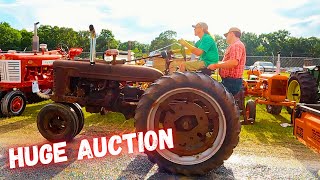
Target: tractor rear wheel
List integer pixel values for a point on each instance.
(1, 96)
(13, 103)
(57, 122)
(302, 88)
(203, 116)
(273, 109)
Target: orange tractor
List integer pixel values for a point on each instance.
(269, 89)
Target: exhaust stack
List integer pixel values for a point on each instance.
(35, 39)
(278, 64)
(92, 45)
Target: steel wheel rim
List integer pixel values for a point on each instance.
(209, 152)
(17, 104)
(294, 91)
(55, 124)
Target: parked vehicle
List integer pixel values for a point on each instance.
(202, 114)
(264, 66)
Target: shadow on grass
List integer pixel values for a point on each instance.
(28, 117)
(267, 129)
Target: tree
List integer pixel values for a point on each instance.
(106, 40)
(10, 38)
(26, 40)
(164, 39)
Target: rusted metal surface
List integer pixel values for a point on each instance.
(193, 120)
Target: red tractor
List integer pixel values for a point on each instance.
(27, 77)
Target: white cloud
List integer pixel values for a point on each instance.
(249, 15)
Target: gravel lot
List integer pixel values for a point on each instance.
(247, 162)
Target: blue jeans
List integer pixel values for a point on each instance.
(232, 85)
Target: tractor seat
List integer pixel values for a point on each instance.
(205, 71)
(112, 52)
(251, 81)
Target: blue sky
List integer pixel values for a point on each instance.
(143, 20)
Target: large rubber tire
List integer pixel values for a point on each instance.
(302, 88)
(204, 94)
(250, 117)
(13, 103)
(274, 109)
(80, 116)
(57, 122)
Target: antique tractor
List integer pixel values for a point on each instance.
(28, 77)
(202, 114)
(270, 89)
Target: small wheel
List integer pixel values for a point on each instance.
(57, 122)
(250, 116)
(273, 109)
(80, 116)
(13, 103)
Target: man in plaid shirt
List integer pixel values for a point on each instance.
(234, 60)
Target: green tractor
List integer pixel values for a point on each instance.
(303, 86)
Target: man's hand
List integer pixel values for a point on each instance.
(212, 66)
(182, 42)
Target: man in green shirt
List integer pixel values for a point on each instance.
(206, 48)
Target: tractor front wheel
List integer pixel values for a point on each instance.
(57, 122)
(250, 116)
(273, 109)
(203, 116)
(80, 116)
(13, 103)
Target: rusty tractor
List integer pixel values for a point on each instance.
(202, 114)
(28, 77)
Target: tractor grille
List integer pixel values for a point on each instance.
(10, 71)
(279, 87)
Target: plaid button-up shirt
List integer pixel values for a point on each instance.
(236, 51)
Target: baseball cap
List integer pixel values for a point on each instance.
(203, 25)
(233, 29)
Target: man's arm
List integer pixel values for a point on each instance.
(193, 49)
(224, 64)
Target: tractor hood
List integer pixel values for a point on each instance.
(103, 70)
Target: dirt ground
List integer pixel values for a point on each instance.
(249, 161)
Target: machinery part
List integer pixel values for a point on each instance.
(273, 109)
(63, 48)
(201, 113)
(13, 103)
(57, 122)
(39, 96)
(302, 88)
(250, 117)
(80, 116)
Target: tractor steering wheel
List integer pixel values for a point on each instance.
(63, 48)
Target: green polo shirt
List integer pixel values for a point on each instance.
(210, 53)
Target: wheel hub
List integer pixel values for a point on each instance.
(17, 104)
(190, 124)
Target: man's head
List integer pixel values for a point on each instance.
(232, 35)
(200, 28)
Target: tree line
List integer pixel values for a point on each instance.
(267, 44)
